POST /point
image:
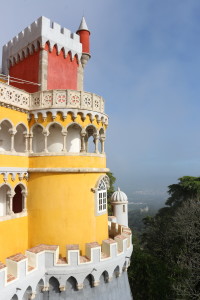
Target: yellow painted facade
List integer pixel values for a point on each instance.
(13, 237)
(61, 206)
(62, 210)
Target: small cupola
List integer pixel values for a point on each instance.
(119, 196)
(119, 202)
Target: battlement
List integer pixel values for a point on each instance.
(114, 253)
(40, 32)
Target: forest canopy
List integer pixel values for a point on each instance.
(166, 258)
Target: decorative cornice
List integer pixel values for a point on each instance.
(21, 172)
(68, 170)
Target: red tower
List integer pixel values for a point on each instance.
(47, 55)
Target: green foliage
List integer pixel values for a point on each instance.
(148, 276)
(188, 187)
(110, 191)
(166, 264)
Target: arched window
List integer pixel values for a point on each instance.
(55, 138)
(19, 138)
(38, 139)
(4, 200)
(5, 136)
(18, 200)
(102, 197)
(74, 138)
(91, 147)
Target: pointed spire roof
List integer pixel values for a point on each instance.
(83, 25)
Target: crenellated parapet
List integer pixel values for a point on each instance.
(36, 36)
(43, 261)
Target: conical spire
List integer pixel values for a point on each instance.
(83, 25)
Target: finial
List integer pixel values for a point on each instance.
(118, 189)
(83, 25)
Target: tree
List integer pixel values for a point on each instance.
(188, 187)
(173, 236)
(110, 191)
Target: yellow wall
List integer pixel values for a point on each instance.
(13, 115)
(67, 162)
(14, 232)
(62, 210)
(13, 237)
(61, 206)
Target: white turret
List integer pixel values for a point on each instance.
(119, 202)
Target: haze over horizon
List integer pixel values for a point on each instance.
(146, 64)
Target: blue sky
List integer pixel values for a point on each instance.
(146, 64)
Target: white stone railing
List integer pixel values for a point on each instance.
(11, 96)
(67, 99)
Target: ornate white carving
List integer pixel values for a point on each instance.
(64, 100)
(13, 96)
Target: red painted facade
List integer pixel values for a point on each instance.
(62, 72)
(85, 40)
(26, 69)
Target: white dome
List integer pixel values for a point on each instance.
(119, 196)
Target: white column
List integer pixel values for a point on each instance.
(26, 141)
(31, 142)
(10, 206)
(83, 143)
(12, 133)
(45, 140)
(64, 133)
(96, 141)
(102, 139)
(24, 206)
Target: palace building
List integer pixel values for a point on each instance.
(56, 239)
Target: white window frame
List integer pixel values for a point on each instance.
(100, 197)
(102, 201)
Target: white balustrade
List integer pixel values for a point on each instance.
(11, 96)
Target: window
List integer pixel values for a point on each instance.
(124, 209)
(102, 197)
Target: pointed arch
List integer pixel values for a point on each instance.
(19, 138)
(91, 132)
(55, 137)
(73, 140)
(19, 198)
(27, 293)
(6, 128)
(100, 196)
(39, 288)
(38, 141)
(54, 285)
(71, 284)
(5, 190)
(116, 272)
(88, 281)
(14, 297)
(104, 278)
